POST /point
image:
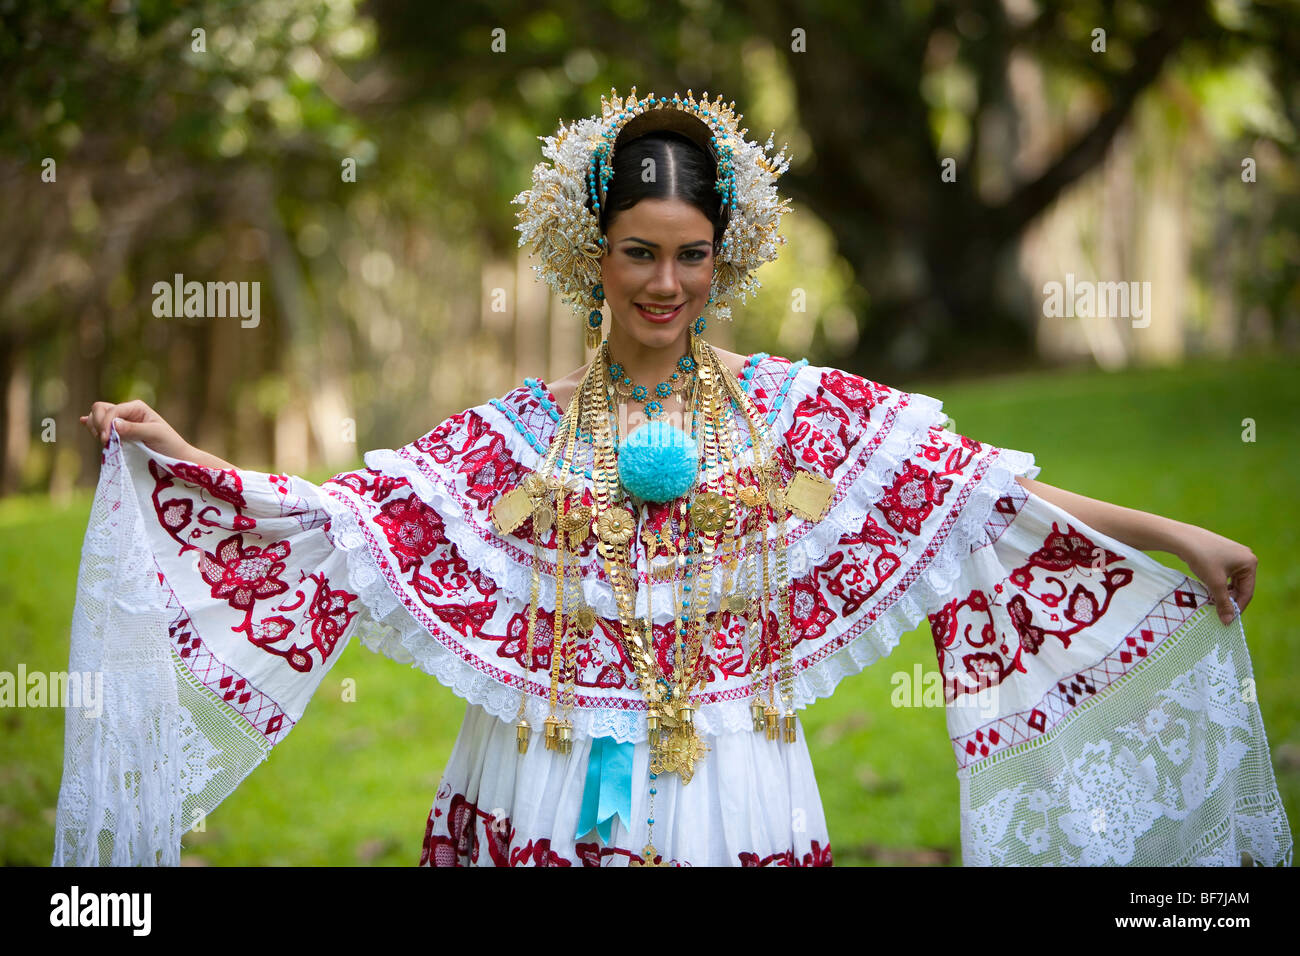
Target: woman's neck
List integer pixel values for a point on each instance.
(644, 365)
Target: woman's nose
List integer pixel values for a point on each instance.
(664, 281)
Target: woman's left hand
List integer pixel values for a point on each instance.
(1224, 566)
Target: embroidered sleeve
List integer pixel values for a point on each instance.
(210, 604)
(911, 501)
(1100, 712)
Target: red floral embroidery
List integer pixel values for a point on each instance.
(462, 842)
(243, 575)
(818, 856)
(414, 530)
(329, 615)
(860, 395)
(247, 576)
(225, 485)
(822, 433)
(488, 467)
(436, 444)
(912, 497)
(965, 629)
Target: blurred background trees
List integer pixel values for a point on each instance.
(358, 162)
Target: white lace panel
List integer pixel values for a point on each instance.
(1115, 722)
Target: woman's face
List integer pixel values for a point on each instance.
(660, 254)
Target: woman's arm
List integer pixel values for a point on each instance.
(1224, 566)
(1144, 531)
(200, 457)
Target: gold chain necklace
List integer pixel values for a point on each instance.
(711, 516)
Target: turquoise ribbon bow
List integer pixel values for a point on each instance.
(608, 790)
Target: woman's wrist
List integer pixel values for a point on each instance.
(200, 457)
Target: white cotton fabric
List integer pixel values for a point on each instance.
(749, 795)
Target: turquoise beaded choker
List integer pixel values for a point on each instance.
(679, 381)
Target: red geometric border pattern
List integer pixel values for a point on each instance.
(1169, 614)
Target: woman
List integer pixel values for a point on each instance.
(638, 574)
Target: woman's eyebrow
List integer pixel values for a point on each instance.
(655, 245)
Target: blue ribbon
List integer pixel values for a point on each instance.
(608, 790)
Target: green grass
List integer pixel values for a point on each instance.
(353, 783)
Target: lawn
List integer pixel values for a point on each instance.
(354, 782)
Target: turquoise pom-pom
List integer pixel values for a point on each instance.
(658, 462)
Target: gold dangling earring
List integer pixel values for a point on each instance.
(595, 318)
(695, 332)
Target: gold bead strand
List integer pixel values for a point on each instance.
(767, 480)
(703, 585)
(568, 638)
(557, 630)
(523, 731)
(590, 408)
(764, 718)
(787, 668)
(642, 657)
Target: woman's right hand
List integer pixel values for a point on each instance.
(138, 421)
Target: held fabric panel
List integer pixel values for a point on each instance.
(1100, 712)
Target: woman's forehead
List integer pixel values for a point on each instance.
(669, 218)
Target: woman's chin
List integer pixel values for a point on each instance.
(654, 336)
(662, 337)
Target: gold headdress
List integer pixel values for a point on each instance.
(564, 228)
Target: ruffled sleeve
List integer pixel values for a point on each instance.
(210, 604)
(1099, 710)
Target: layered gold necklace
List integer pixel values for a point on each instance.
(706, 541)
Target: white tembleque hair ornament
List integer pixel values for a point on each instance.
(565, 233)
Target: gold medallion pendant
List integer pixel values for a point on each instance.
(677, 749)
(808, 495)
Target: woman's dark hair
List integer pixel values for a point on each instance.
(683, 170)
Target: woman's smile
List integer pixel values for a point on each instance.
(654, 312)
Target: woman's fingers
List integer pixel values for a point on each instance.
(1243, 586)
(101, 416)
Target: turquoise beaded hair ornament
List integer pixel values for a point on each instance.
(565, 231)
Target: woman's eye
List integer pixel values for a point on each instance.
(690, 255)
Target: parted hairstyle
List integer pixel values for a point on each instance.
(682, 170)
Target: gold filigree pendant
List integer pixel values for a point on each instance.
(679, 747)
